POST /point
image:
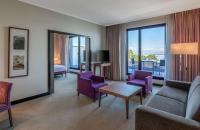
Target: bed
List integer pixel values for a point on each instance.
(60, 70)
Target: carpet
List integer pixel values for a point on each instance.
(64, 110)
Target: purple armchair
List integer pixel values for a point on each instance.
(5, 89)
(89, 84)
(143, 79)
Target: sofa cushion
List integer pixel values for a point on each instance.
(193, 104)
(174, 93)
(167, 104)
(193, 86)
(136, 82)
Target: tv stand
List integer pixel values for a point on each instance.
(95, 65)
(102, 67)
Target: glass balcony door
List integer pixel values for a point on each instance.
(133, 50)
(146, 46)
(76, 51)
(152, 50)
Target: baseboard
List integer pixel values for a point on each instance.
(29, 98)
(156, 84)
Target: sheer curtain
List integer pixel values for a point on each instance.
(61, 43)
(169, 57)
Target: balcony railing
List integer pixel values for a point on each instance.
(157, 67)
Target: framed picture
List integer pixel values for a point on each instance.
(18, 52)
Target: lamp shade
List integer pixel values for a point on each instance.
(185, 48)
(57, 61)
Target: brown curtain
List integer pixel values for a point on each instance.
(59, 49)
(112, 44)
(186, 29)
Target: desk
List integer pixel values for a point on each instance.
(95, 65)
(101, 66)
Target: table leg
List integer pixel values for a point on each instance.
(81, 68)
(99, 70)
(102, 71)
(141, 97)
(94, 69)
(99, 99)
(127, 108)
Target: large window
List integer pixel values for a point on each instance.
(77, 48)
(146, 47)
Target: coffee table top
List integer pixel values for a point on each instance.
(122, 90)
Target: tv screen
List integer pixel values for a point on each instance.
(104, 56)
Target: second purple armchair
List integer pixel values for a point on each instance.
(5, 89)
(89, 84)
(143, 79)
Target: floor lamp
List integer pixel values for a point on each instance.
(184, 49)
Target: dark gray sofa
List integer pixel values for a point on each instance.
(175, 107)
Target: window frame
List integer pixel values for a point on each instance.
(79, 53)
(140, 45)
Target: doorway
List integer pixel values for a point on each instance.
(63, 52)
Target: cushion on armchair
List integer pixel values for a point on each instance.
(137, 82)
(3, 92)
(139, 74)
(97, 85)
(86, 75)
(2, 95)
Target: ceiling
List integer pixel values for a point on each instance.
(109, 12)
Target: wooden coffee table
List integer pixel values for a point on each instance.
(123, 91)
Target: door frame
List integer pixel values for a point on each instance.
(51, 57)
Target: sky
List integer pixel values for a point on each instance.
(153, 40)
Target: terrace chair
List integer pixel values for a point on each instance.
(89, 84)
(161, 65)
(142, 79)
(5, 89)
(133, 63)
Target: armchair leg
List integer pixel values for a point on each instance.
(10, 117)
(94, 96)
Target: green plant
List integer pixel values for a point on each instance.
(151, 57)
(132, 55)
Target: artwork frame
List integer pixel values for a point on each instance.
(18, 52)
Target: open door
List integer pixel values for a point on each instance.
(78, 52)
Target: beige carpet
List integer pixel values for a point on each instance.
(64, 110)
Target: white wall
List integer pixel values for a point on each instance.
(38, 21)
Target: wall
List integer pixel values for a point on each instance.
(38, 20)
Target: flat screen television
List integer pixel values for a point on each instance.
(104, 56)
